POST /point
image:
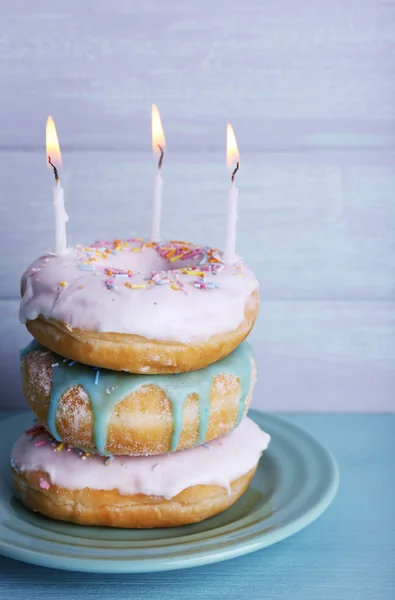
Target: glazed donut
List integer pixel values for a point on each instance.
(139, 492)
(140, 307)
(110, 412)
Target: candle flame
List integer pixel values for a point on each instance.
(158, 137)
(53, 149)
(232, 153)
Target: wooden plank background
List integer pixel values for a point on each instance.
(309, 89)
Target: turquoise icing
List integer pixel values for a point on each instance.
(107, 388)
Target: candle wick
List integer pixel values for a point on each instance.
(160, 158)
(55, 171)
(234, 172)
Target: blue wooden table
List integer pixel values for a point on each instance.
(347, 554)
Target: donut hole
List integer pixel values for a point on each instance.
(137, 262)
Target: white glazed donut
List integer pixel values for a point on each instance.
(154, 491)
(138, 306)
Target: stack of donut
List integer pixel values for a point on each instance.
(140, 381)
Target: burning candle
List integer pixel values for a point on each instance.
(54, 160)
(158, 145)
(232, 160)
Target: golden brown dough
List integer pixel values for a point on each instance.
(111, 509)
(136, 354)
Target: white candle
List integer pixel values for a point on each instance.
(158, 145)
(231, 225)
(232, 159)
(54, 161)
(157, 208)
(61, 219)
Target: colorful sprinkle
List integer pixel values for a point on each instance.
(86, 267)
(34, 429)
(203, 262)
(60, 447)
(55, 365)
(40, 443)
(72, 363)
(108, 460)
(44, 484)
(110, 285)
(174, 258)
(193, 272)
(40, 431)
(200, 285)
(97, 377)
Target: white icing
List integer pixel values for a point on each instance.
(156, 312)
(217, 463)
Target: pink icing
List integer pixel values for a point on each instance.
(217, 463)
(174, 306)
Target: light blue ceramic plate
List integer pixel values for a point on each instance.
(295, 482)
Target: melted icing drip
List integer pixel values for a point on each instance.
(120, 384)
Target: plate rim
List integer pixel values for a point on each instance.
(254, 542)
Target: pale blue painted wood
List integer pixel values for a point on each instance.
(287, 73)
(320, 356)
(348, 553)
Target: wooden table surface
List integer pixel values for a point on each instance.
(348, 553)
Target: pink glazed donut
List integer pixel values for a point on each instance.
(127, 491)
(140, 307)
